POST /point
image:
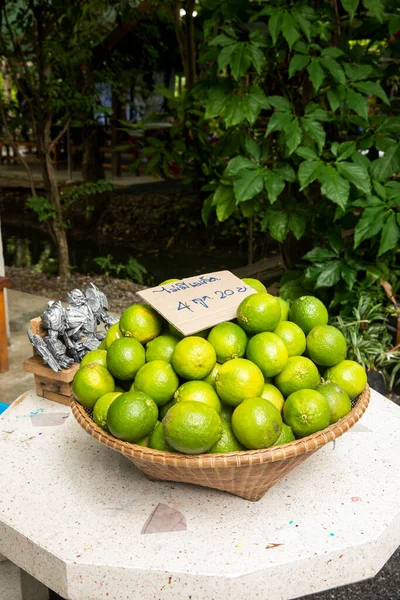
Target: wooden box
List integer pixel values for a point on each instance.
(49, 384)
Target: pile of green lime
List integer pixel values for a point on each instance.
(276, 374)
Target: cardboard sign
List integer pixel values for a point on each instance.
(199, 302)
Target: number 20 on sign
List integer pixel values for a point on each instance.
(190, 311)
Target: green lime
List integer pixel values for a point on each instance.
(161, 348)
(198, 391)
(308, 312)
(286, 436)
(299, 373)
(285, 309)
(326, 345)
(144, 441)
(239, 379)
(256, 423)
(348, 375)
(255, 284)
(228, 340)
(162, 411)
(141, 322)
(169, 281)
(193, 358)
(101, 407)
(292, 336)
(226, 413)
(258, 313)
(118, 388)
(306, 411)
(273, 395)
(158, 440)
(95, 356)
(103, 345)
(338, 399)
(125, 357)
(91, 383)
(192, 427)
(176, 333)
(113, 333)
(157, 379)
(213, 375)
(228, 442)
(132, 416)
(268, 352)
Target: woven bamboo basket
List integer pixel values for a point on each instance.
(248, 474)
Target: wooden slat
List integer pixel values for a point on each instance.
(266, 269)
(3, 334)
(66, 400)
(52, 385)
(35, 365)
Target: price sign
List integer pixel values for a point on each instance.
(199, 302)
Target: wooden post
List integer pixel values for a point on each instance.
(4, 283)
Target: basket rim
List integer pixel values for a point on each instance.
(240, 458)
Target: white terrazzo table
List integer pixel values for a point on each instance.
(72, 512)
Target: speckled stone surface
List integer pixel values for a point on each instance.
(72, 512)
(10, 581)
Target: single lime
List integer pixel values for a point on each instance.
(198, 391)
(91, 383)
(299, 373)
(348, 375)
(125, 357)
(273, 395)
(113, 333)
(256, 423)
(306, 412)
(141, 322)
(158, 440)
(228, 441)
(161, 348)
(95, 356)
(308, 312)
(338, 399)
(268, 352)
(292, 336)
(101, 407)
(192, 427)
(326, 345)
(258, 313)
(239, 379)
(286, 436)
(157, 379)
(193, 358)
(132, 416)
(228, 340)
(255, 284)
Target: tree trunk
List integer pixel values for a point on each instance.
(53, 194)
(190, 45)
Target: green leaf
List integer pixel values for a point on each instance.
(248, 184)
(369, 224)
(223, 40)
(315, 73)
(314, 113)
(240, 59)
(250, 207)
(358, 103)
(274, 184)
(334, 69)
(308, 172)
(275, 25)
(333, 186)
(376, 7)
(280, 103)
(304, 23)
(237, 164)
(208, 207)
(278, 122)
(319, 255)
(224, 200)
(390, 235)
(287, 172)
(315, 131)
(257, 56)
(350, 6)
(345, 150)
(278, 224)
(225, 55)
(356, 174)
(329, 275)
(307, 153)
(394, 25)
(293, 135)
(333, 99)
(372, 88)
(297, 224)
(332, 52)
(297, 63)
(289, 29)
(383, 168)
(359, 71)
(349, 276)
(233, 113)
(253, 102)
(252, 148)
(216, 102)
